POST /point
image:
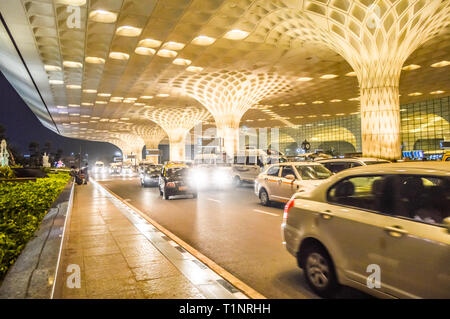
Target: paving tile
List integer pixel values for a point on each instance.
(154, 270)
(177, 287)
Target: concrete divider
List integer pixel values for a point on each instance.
(33, 274)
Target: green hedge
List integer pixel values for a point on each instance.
(22, 208)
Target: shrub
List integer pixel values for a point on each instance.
(6, 172)
(22, 208)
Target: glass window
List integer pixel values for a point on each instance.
(251, 160)
(375, 162)
(336, 167)
(359, 191)
(355, 164)
(273, 171)
(287, 170)
(309, 172)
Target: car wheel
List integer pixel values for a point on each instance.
(160, 191)
(264, 197)
(165, 195)
(236, 181)
(319, 272)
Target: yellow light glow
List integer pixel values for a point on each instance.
(104, 94)
(149, 43)
(89, 91)
(72, 64)
(119, 55)
(103, 16)
(56, 82)
(340, 114)
(100, 102)
(51, 68)
(354, 99)
(352, 73)
(317, 102)
(300, 103)
(437, 92)
(172, 45)
(203, 40)
(74, 105)
(415, 94)
(128, 31)
(162, 95)
(117, 98)
(335, 100)
(94, 60)
(411, 67)
(181, 61)
(304, 79)
(328, 76)
(144, 51)
(194, 69)
(146, 97)
(236, 34)
(63, 112)
(61, 107)
(87, 104)
(73, 86)
(440, 64)
(167, 53)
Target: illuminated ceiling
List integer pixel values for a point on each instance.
(115, 73)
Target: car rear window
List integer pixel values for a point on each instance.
(309, 172)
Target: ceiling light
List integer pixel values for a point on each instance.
(144, 51)
(63, 112)
(56, 82)
(51, 68)
(149, 43)
(89, 91)
(325, 115)
(411, 67)
(171, 45)
(437, 92)
(119, 55)
(104, 94)
(74, 105)
(415, 94)
(354, 99)
(440, 64)
(103, 16)
(128, 31)
(181, 61)
(304, 79)
(167, 53)
(124, 118)
(335, 100)
(147, 97)
(284, 104)
(300, 103)
(317, 102)
(73, 86)
(117, 98)
(132, 98)
(77, 3)
(328, 76)
(236, 34)
(100, 102)
(61, 107)
(87, 104)
(352, 73)
(162, 95)
(72, 64)
(94, 60)
(340, 114)
(139, 104)
(203, 40)
(74, 114)
(194, 69)
(312, 115)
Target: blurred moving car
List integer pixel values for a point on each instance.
(280, 181)
(248, 164)
(336, 165)
(127, 170)
(99, 167)
(446, 157)
(115, 168)
(149, 175)
(389, 219)
(175, 179)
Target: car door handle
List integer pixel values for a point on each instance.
(326, 214)
(395, 231)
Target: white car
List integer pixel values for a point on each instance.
(383, 229)
(339, 164)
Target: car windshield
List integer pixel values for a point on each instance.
(308, 172)
(177, 172)
(150, 170)
(375, 162)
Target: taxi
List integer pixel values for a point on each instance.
(175, 179)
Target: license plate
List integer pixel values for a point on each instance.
(182, 188)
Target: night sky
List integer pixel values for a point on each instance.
(22, 127)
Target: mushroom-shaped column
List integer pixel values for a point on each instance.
(131, 145)
(376, 38)
(177, 122)
(152, 135)
(228, 95)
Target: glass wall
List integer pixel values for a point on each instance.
(424, 125)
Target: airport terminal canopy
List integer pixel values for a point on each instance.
(103, 69)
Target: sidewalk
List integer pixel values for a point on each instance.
(120, 255)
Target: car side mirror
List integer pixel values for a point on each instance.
(290, 177)
(446, 223)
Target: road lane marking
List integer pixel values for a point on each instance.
(214, 200)
(264, 212)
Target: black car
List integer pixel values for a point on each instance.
(175, 180)
(150, 175)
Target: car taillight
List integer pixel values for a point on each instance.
(288, 206)
(171, 184)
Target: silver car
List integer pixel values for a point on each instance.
(278, 182)
(383, 229)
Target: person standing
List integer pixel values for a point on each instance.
(86, 173)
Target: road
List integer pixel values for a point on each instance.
(231, 228)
